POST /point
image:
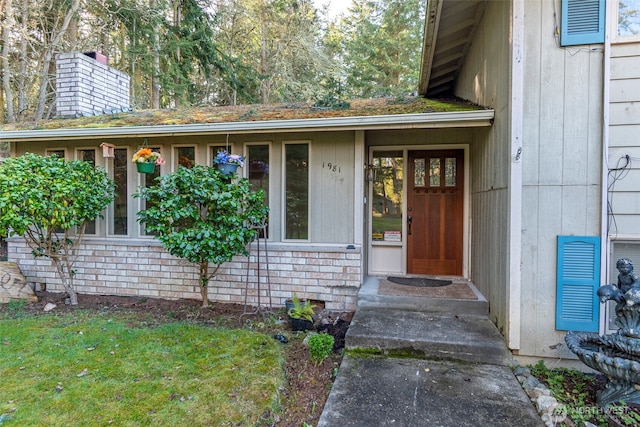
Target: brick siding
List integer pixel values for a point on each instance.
(329, 274)
(86, 86)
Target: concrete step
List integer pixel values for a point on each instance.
(373, 391)
(406, 333)
(369, 297)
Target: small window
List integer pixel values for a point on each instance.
(89, 155)
(297, 191)
(56, 152)
(629, 18)
(149, 180)
(215, 149)
(119, 218)
(185, 157)
(450, 172)
(258, 169)
(419, 172)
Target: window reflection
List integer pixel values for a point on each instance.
(89, 156)
(297, 191)
(386, 209)
(186, 156)
(434, 172)
(258, 161)
(120, 164)
(450, 172)
(628, 18)
(419, 172)
(149, 180)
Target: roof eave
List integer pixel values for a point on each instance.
(474, 118)
(431, 23)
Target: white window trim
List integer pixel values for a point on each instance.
(613, 24)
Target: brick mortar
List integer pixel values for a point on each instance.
(148, 270)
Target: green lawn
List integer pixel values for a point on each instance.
(84, 369)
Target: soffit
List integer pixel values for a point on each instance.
(449, 29)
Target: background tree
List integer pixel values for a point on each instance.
(381, 46)
(199, 52)
(49, 201)
(201, 216)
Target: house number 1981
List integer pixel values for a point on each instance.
(331, 166)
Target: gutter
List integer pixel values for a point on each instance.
(475, 118)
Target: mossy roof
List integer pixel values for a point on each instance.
(251, 113)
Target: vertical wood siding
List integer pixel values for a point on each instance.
(561, 158)
(484, 79)
(561, 166)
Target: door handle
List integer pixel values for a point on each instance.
(409, 221)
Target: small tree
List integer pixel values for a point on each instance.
(201, 216)
(46, 200)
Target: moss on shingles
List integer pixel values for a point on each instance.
(256, 112)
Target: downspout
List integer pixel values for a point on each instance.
(606, 94)
(514, 280)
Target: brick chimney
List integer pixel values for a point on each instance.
(87, 86)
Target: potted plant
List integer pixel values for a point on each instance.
(146, 160)
(228, 163)
(301, 315)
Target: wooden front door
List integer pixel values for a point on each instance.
(435, 206)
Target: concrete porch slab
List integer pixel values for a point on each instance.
(424, 300)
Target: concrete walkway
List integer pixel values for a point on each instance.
(410, 365)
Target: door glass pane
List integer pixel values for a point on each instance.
(89, 156)
(297, 191)
(386, 208)
(418, 172)
(450, 172)
(434, 172)
(258, 160)
(120, 164)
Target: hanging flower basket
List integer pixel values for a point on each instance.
(227, 168)
(146, 167)
(146, 160)
(228, 163)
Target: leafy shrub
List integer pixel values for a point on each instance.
(320, 346)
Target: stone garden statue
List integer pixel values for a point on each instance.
(616, 355)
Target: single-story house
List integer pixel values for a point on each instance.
(518, 196)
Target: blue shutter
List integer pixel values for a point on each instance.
(582, 22)
(578, 279)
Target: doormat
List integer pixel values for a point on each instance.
(419, 281)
